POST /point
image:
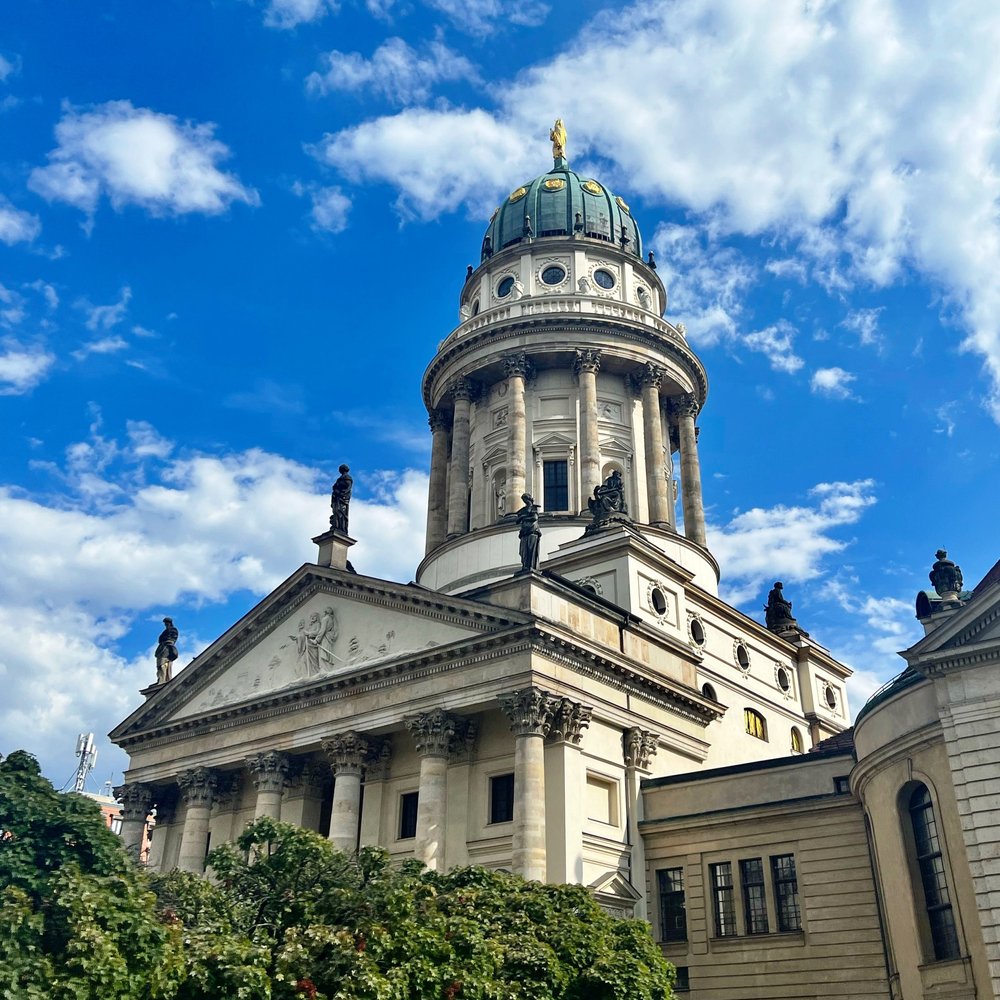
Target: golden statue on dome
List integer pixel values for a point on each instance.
(558, 137)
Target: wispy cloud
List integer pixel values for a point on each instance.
(17, 225)
(833, 382)
(288, 14)
(22, 366)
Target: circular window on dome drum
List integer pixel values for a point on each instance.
(604, 278)
(553, 274)
(505, 286)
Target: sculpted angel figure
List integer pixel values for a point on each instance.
(558, 137)
(328, 633)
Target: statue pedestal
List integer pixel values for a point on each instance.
(333, 546)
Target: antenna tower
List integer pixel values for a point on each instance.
(87, 753)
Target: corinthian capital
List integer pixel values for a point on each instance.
(463, 388)
(639, 746)
(135, 799)
(569, 720)
(529, 711)
(269, 771)
(198, 785)
(346, 752)
(433, 732)
(438, 421)
(684, 406)
(651, 374)
(517, 364)
(587, 361)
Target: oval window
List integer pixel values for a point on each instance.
(553, 274)
(697, 632)
(742, 656)
(503, 289)
(831, 696)
(784, 681)
(659, 601)
(604, 278)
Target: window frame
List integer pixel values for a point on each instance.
(672, 903)
(753, 890)
(784, 922)
(491, 806)
(723, 900)
(754, 724)
(548, 505)
(405, 798)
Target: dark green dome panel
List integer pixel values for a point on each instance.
(561, 203)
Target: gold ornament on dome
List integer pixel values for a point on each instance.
(554, 184)
(558, 137)
(592, 187)
(518, 194)
(622, 204)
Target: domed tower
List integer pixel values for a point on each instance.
(561, 372)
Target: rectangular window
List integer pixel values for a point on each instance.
(116, 824)
(683, 981)
(754, 896)
(408, 815)
(602, 800)
(555, 486)
(673, 913)
(502, 798)
(723, 903)
(786, 892)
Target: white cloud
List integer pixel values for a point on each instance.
(775, 342)
(396, 71)
(291, 13)
(330, 207)
(864, 322)
(7, 68)
(136, 156)
(761, 545)
(16, 225)
(824, 122)
(22, 366)
(104, 345)
(12, 309)
(833, 382)
(109, 316)
(47, 291)
(480, 17)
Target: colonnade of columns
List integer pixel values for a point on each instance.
(448, 492)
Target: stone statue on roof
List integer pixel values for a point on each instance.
(528, 533)
(558, 137)
(166, 651)
(946, 576)
(340, 500)
(778, 610)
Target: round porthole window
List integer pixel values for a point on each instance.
(505, 286)
(709, 692)
(784, 681)
(553, 274)
(697, 631)
(604, 278)
(831, 696)
(742, 656)
(659, 601)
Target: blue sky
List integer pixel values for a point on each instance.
(232, 234)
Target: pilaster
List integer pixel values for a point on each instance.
(565, 791)
(639, 746)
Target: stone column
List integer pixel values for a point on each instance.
(656, 473)
(433, 733)
(136, 801)
(516, 368)
(529, 711)
(376, 775)
(460, 761)
(269, 773)
(304, 794)
(565, 792)
(197, 788)
(685, 408)
(437, 491)
(639, 747)
(458, 476)
(586, 368)
(225, 808)
(163, 827)
(347, 753)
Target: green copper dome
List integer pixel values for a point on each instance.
(562, 203)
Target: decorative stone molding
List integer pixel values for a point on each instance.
(463, 388)
(438, 420)
(587, 361)
(433, 732)
(569, 720)
(377, 765)
(651, 374)
(517, 364)
(685, 405)
(639, 746)
(308, 779)
(269, 771)
(198, 786)
(657, 593)
(135, 799)
(741, 654)
(529, 711)
(228, 790)
(590, 583)
(347, 752)
(463, 749)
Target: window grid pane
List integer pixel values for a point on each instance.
(555, 479)
(673, 914)
(408, 815)
(754, 724)
(786, 892)
(754, 898)
(502, 798)
(723, 903)
(930, 861)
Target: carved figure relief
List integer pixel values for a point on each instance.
(500, 417)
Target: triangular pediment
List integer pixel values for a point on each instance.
(616, 884)
(319, 625)
(976, 624)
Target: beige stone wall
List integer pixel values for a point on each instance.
(740, 815)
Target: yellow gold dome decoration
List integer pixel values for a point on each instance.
(518, 194)
(592, 187)
(622, 204)
(554, 184)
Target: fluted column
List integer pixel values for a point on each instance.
(565, 787)
(638, 749)
(197, 788)
(685, 409)
(135, 800)
(458, 478)
(529, 711)
(516, 369)
(437, 490)
(347, 753)
(433, 734)
(269, 773)
(656, 472)
(587, 364)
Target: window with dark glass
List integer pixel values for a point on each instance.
(786, 892)
(505, 286)
(683, 980)
(723, 901)
(754, 896)
(502, 798)
(408, 815)
(553, 274)
(604, 278)
(673, 913)
(555, 481)
(930, 862)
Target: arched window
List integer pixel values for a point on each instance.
(709, 692)
(796, 740)
(933, 888)
(754, 723)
